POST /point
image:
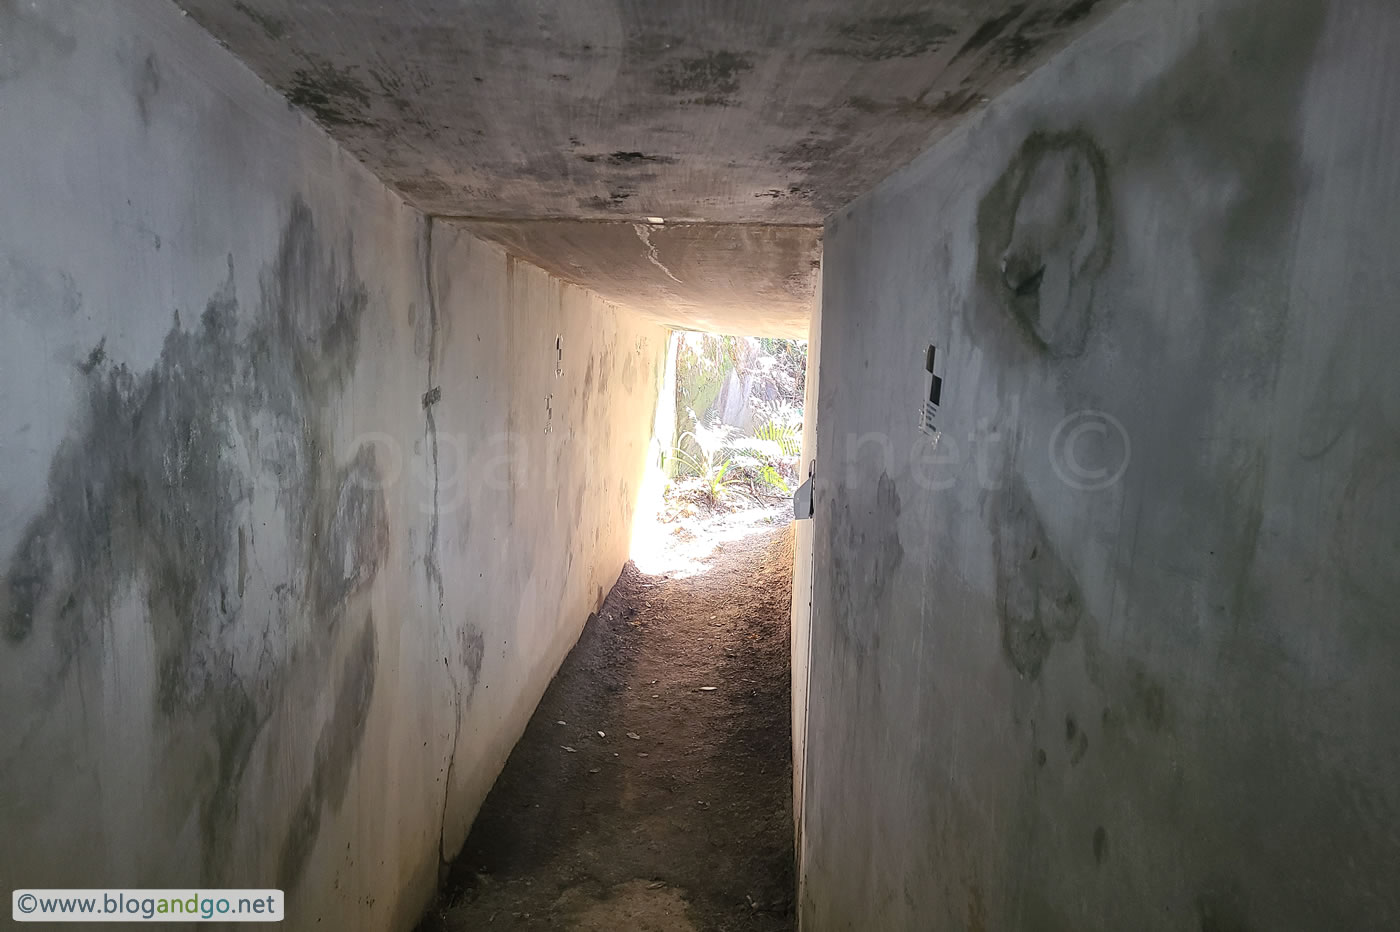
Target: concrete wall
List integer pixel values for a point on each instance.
(1123, 651)
(303, 498)
(802, 567)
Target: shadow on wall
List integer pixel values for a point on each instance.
(1213, 147)
(865, 564)
(154, 495)
(1045, 244)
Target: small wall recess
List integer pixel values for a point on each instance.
(928, 414)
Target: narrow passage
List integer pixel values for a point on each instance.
(652, 789)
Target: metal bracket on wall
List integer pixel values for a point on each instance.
(802, 498)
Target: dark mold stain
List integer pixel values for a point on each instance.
(711, 78)
(1147, 699)
(795, 190)
(879, 38)
(426, 189)
(471, 649)
(94, 358)
(334, 96)
(354, 538)
(629, 384)
(616, 200)
(237, 720)
(869, 105)
(1078, 748)
(632, 158)
(1076, 740)
(989, 31)
(242, 561)
(1015, 49)
(866, 553)
(976, 909)
(147, 86)
(1045, 235)
(340, 737)
(146, 494)
(1036, 31)
(1236, 95)
(952, 103)
(811, 151)
(1075, 12)
(956, 103)
(1221, 908)
(605, 371)
(335, 754)
(132, 497)
(273, 27)
(1038, 599)
(1100, 845)
(389, 82)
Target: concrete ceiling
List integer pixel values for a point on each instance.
(747, 278)
(528, 117)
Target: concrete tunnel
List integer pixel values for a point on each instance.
(334, 336)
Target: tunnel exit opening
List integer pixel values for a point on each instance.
(653, 785)
(726, 451)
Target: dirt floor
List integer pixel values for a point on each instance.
(652, 790)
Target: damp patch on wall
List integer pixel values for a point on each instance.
(1045, 235)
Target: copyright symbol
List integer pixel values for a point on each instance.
(1090, 450)
(27, 903)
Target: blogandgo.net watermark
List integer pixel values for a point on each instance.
(125, 905)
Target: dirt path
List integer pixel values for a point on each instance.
(678, 816)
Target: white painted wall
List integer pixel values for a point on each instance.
(1046, 697)
(802, 569)
(250, 635)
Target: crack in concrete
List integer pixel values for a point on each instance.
(644, 235)
(430, 398)
(443, 855)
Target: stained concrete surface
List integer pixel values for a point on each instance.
(802, 567)
(1120, 652)
(1034, 700)
(744, 279)
(701, 111)
(303, 496)
(710, 110)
